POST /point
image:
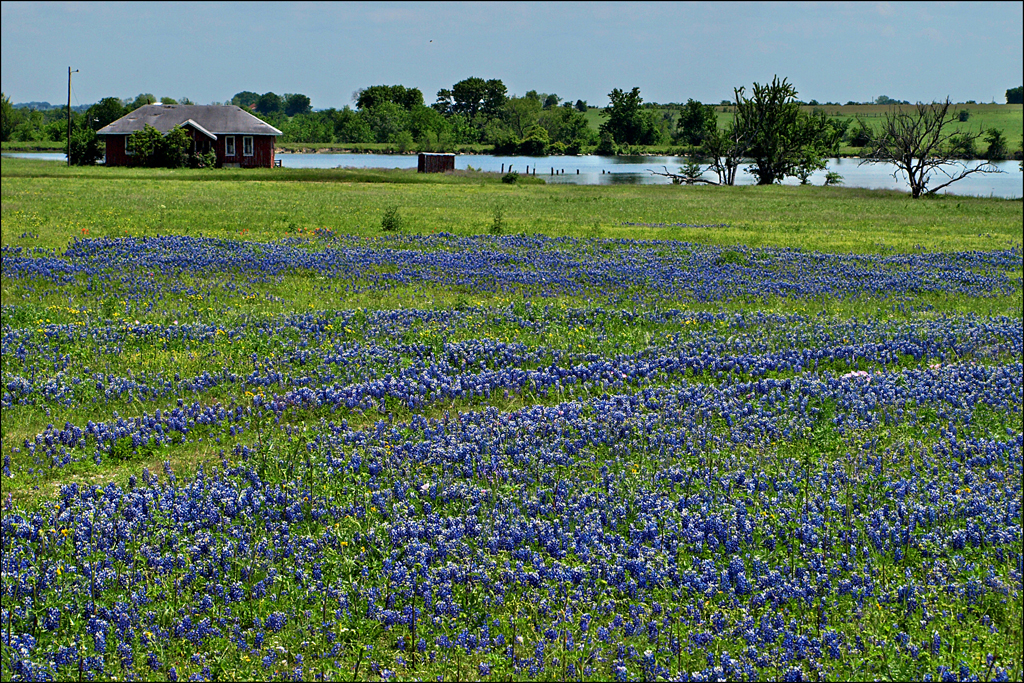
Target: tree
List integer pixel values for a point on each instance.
(581, 106)
(245, 99)
(370, 97)
(471, 96)
(627, 121)
(168, 100)
(551, 100)
(695, 122)
(153, 149)
(105, 112)
(269, 103)
(781, 139)
(295, 104)
(9, 117)
(142, 100)
(1015, 95)
(997, 148)
(726, 149)
(919, 142)
(519, 113)
(85, 147)
(350, 126)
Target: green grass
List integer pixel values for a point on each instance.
(52, 204)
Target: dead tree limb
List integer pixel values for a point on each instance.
(678, 179)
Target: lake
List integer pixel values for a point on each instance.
(635, 170)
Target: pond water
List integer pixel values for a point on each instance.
(635, 170)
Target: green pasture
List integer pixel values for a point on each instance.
(47, 204)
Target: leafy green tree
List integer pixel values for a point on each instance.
(696, 122)
(85, 147)
(310, 127)
(726, 148)
(9, 117)
(472, 96)
(245, 99)
(295, 104)
(269, 103)
(963, 147)
(424, 120)
(1015, 95)
(606, 145)
(780, 137)
(568, 127)
(627, 121)
(860, 134)
(174, 148)
(185, 100)
(153, 149)
(407, 98)
(997, 147)
(581, 106)
(351, 126)
(142, 100)
(386, 120)
(105, 112)
(536, 142)
(551, 101)
(520, 113)
(168, 100)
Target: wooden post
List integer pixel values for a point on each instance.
(552, 170)
(577, 171)
(503, 168)
(69, 112)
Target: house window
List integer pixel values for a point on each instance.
(247, 146)
(229, 146)
(129, 145)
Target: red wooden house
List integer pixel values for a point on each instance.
(238, 138)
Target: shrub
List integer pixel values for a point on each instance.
(498, 225)
(606, 146)
(510, 178)
(833, 178)
(392, 220)
(997, 149)
(85, 147)
(963, 115)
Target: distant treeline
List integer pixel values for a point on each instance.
(473, 111)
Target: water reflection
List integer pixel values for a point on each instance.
(635, 170)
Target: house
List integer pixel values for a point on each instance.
(238, 138)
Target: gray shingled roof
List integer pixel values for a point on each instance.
(215, 118)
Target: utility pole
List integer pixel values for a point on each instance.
(69, 112)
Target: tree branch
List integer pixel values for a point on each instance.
(676, 178)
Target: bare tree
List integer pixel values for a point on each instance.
(922, 143)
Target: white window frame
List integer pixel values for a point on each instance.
(229, 145)
(248, 148)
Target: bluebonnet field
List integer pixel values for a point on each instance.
(605, 459)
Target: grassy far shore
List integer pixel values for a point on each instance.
(47, 204)
(1009, 118)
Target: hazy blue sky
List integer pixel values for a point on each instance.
(673, 51)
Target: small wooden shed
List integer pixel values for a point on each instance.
(435, 163)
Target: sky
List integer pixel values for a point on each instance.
(830, 51)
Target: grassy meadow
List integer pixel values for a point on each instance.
(537, 432)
